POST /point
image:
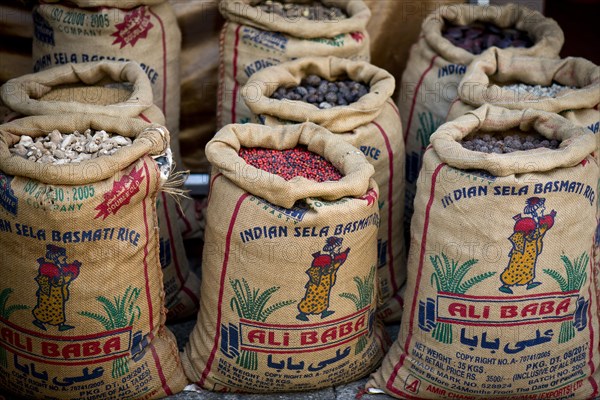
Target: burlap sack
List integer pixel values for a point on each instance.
(289, 267)
(82, 309)
(486, 77)
(126, 5)
(501, 303)
(115, 89)
(200, 23)
(252, 40)
(94, 30)
(435, 68)
(484, 80)
(101, 87)
(372, 124)
(181, 284)
(397, 23)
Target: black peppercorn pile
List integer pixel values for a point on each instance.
(508, 144)
(478, 37)
(323, 93)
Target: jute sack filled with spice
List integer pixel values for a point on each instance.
(371, 124)
(569, 86)
(501, 301)
(253, 39)
(142, 31)
(115, 89)
(82, 294)
(289, 267)
(436, 66)
(102, 87)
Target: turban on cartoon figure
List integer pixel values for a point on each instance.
(53, 279)
(527, 244)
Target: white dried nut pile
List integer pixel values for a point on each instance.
(62, 148)
(538, 90)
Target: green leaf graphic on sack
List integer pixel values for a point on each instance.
(122, 313)
(5, 312)
(249, 304)
(573, 281)
(448, 277)
(427, 125)
(366, 289)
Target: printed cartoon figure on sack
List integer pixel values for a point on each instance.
(527, 241)
(322, 276)
(451, 306)
(54, 278)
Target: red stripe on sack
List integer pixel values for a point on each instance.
(164, 47)
(174, 252)
(221, 85)
(399, 300)
(381, 341)
(235, 70)
(188, 226)
(191, 295)
(65, 338)
(142, 116)
(525, 296)
(390, 382)
(148, 295)
(161, 375)
(210, 185)
(414, 100)
(502, 324)
(211, 358)
(309, 350)
(456, 100)
(304, 326)
(394, 107)
(591, 325)
(65, 363)
(389, 200)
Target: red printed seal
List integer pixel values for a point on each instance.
(120, 195)
(136, 26)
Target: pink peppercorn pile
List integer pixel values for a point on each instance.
(291, 163)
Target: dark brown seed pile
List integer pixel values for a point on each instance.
(291, 163)
(479, 36)
(323, 93)
(500, 144)
(313, 11)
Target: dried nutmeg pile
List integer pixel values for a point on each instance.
(291, 163)
(62, 148)
(479, 36)
(323, 93)
(507, 144)
(538, 90)
(315, 11)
